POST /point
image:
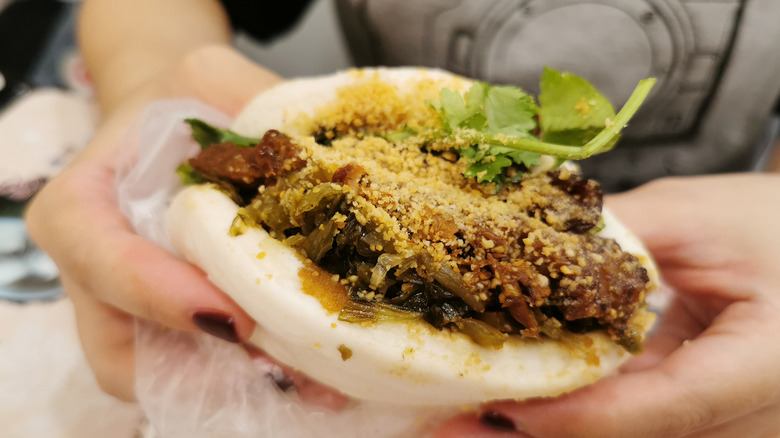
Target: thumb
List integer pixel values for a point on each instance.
(221, 77)
(708, 235)
(662, 214)
(709, 381)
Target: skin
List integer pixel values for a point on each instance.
(711, 369)
(709, 372)
(110, 274)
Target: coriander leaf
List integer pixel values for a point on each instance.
(477, 122)
(488, 170)
(188, 175)
(207, 135)
(574, 137)
(528, 159)
(457, 112)
(475, 98)
(495, 127)
(490, 163)
(571, 111)
(510, 111)
(453, 109)
(474, 153)
(400, 135)
(603, 141)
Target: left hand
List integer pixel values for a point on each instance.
(111, 274)
(712, 368)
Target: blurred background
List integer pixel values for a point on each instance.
(46, 117)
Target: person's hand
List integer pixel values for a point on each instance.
(110, 273)
(713, 367)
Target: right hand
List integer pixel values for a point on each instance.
(111, 274)
(711, 367)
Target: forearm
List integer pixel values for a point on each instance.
(126, 43)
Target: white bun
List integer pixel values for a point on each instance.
(397, 362)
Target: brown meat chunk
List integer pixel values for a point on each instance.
(276, 155)
(349, 175)
(273, 157)
(227, 161)
(590, 277)
(567, 201)
(438, 227)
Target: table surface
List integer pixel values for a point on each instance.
(46, 386)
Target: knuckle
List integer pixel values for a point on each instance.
(108, 383)
(192, 65)
(108, 362)
(691, 411)
(133, 285)
(600, 424)
(38, 211)
(694, 414)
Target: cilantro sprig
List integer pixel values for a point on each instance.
(206, 135)
(495, 128)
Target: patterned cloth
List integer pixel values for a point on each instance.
(716, 61)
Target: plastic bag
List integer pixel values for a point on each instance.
(194, 385)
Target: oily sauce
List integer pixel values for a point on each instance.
(321, 285)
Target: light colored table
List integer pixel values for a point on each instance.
(46, 387)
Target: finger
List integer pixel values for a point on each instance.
(107, 260)
(678, 325)
(108, 341)
(221, 77)
(470, 426)
(708, 381)
(217, 75)
(762, 423)
(148, 282)
(696, 228)
(287, 379)
(317, 394)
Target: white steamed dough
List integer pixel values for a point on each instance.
(398, 362)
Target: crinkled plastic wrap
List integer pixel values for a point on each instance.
(194, 385)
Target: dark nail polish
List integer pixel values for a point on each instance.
(497, 421)
(217, 324)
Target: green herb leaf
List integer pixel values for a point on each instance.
(490, 163)
(510, 111)
(188, 175)
(495, 129)
(493, 110)
(572, 111)
(400, 135)
(207, 135)
(457, 113)
(488, 170)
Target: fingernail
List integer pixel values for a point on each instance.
(497, 421)
(217, 324)
(282, 381)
